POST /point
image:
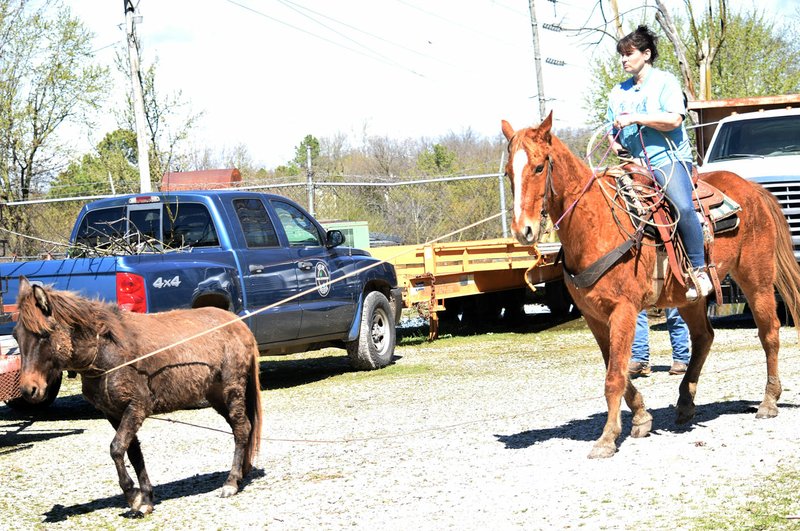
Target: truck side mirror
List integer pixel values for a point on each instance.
(334, 238)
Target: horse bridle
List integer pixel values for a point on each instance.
(548, 187)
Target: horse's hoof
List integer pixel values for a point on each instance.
(767, 412)
(228, 491)
(642, 430)
(602, 452)
(684, 414)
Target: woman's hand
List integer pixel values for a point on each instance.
(660, 121)
(624, 120)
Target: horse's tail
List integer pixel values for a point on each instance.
(254, 413)
(787, 271)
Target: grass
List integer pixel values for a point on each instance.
(769, 506)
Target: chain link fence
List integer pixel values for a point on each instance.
(397, 212)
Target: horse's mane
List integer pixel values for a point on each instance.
(92, 317)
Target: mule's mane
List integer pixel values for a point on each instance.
(91, 317)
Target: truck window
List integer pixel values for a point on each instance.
(189, 224)
(300, 230)
(766, 137)
(144, 227)
(256, 226)
(100, 226)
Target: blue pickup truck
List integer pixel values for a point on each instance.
(237, 250)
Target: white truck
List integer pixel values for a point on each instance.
(762, 145)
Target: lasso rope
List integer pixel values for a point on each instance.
(293, 297)
(642, 385)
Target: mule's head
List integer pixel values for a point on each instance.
(44, 343)
(528, 168)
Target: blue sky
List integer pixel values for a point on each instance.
(268, 72)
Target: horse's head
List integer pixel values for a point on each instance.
(45, 342)
(529, 169)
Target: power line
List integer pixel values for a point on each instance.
(350, 26)
(316, 36)
(454, 23)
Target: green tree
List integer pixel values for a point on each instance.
(288, 170)
(301, 152)
(111, 169)
(47, 80)
(437, 160)
(759, 58)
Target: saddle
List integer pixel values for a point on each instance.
(719, 213)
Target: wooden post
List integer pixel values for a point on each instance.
(138, 100)
(537, 59)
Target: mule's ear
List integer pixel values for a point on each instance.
(42, 300)
(508, 131)
(545, 127)
(24, 286)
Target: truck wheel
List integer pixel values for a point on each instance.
(23, 406)
(374, 346)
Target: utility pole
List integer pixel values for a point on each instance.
(309, 181)
(537, 58)
(138, 99)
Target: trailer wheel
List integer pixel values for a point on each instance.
(374, 347)
(23, 406)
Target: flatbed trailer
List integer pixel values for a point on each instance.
(436, 273)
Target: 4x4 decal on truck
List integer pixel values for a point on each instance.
(322, 277)
(173, 282)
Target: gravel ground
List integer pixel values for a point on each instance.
(482, 432)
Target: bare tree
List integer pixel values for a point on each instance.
(47, 80)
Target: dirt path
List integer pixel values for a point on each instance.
(485, 432)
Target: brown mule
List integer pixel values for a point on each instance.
(61, 331)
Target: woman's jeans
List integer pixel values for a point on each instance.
(679, 193)
(678, 336)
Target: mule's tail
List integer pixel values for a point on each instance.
(254, 413)
(787, 271)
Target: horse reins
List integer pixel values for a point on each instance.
(591, 274)
(549, 184)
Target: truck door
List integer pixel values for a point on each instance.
(327, 308)
(269, 274)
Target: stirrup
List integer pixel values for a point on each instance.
(699, 284)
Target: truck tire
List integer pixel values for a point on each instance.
(23, 406)
(374, 347)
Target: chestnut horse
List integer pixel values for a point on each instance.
(548, 180)
(61, 331)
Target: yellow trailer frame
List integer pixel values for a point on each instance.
(433, 273)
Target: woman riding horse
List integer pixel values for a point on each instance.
(647, 112)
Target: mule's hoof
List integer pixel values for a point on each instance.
(140, 503)
(228, 491)
(135, 498)
(767, 412)
(143, 511)
(602, 452)
(642, 430)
